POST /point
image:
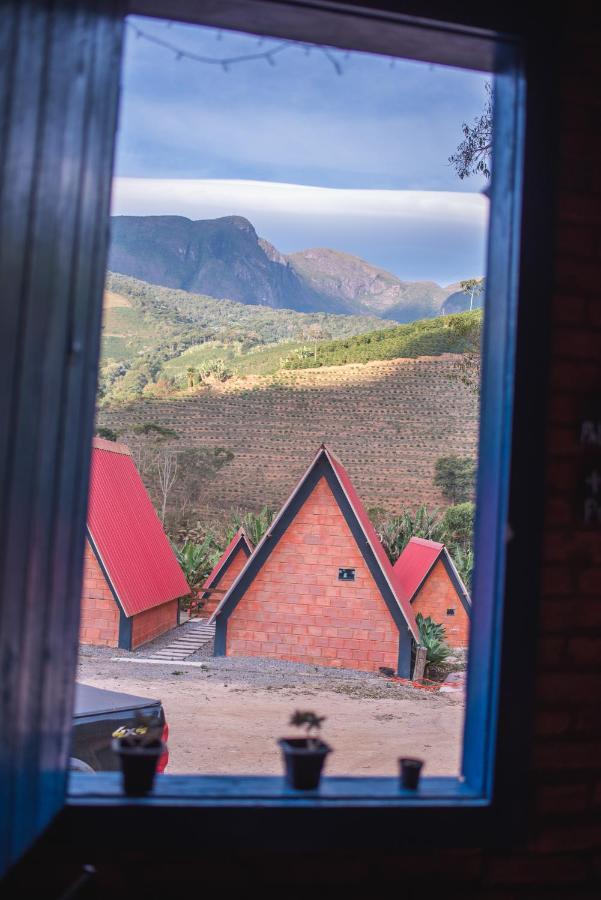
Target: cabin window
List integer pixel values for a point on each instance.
(510, 431)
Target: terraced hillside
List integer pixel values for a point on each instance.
(388, 421)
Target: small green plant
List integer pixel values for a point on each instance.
(432, 636)
(310, 721)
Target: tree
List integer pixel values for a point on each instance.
(473, 154)
(455, 477)
(190, 375)
(316, 333)
(473, 287)
(166, 467)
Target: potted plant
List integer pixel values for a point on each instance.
(139, 749)
(304, 756)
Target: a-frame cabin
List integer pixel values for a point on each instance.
(319, 587)
(427, 578)
(226, 570)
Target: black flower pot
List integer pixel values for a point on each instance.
(410, 770)
(139, 765)
(303, 761)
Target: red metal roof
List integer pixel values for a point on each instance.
(414, 564)
(238, 539)
(127, 534)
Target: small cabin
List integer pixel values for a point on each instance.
(225, 572)
(319, 587)
(132, 581)
(427, 578)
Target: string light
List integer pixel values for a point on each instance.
(225, 62)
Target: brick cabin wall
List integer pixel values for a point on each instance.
(236, 565)
(153, 622)
(434, 598)
(296, 608)
(99, 612)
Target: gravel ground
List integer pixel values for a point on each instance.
(262, 673)
(226, 714)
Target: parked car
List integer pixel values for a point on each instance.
(98, 714)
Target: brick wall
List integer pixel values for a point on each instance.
(434, 599)
(150, 624)
(99, 612)
(237, 563)
(297, 609)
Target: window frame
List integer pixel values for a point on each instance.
(488, 802)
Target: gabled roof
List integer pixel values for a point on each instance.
(126, 534)
(417, 561)
(240, 541)
(327, 463)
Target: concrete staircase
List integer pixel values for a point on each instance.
(190, 637)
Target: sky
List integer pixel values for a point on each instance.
(355, 160)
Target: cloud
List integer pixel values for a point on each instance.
(416, 234)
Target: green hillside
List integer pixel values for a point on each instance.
(145, 327)
(428, 337)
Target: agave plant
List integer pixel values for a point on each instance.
(432, 636)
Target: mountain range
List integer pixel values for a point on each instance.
(226, 259)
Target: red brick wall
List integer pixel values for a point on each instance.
(150, 624)
(297, 609)
(236, 565)
(99, 612)
(435, 597)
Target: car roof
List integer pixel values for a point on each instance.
(90, 701)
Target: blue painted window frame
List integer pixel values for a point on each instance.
(487, 803)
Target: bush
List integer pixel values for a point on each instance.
(432, 636)
(458, 525)
(107, 433)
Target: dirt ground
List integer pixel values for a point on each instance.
(225, 718)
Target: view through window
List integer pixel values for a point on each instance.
(283, 474)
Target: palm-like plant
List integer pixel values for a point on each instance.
(396, 532)
(197, 560)
(255, 524)
(433, 637)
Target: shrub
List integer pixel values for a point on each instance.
(432, 636)
(458, 526)
(107, 433)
